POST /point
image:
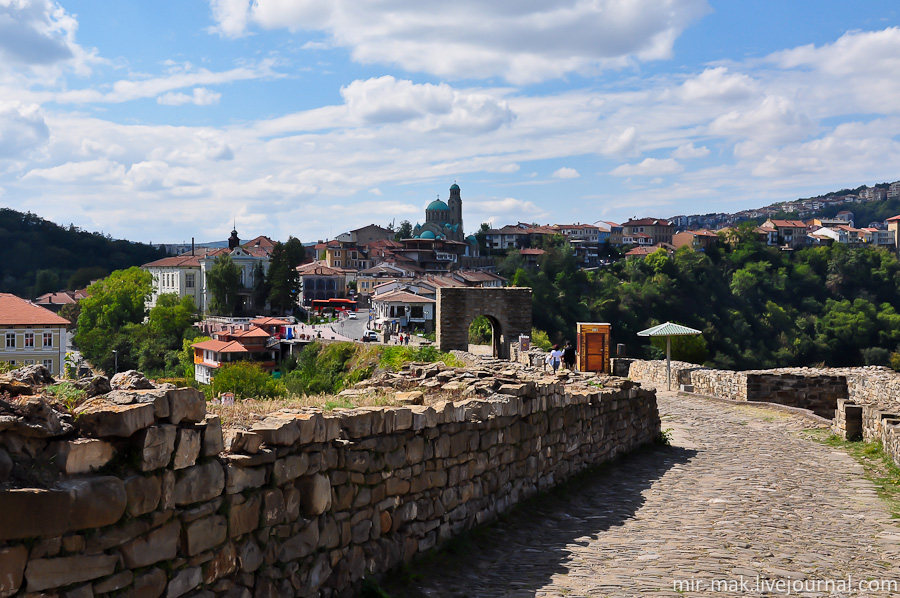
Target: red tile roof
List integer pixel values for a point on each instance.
(268, 321)
(15, 311)
(58, 298)
(221, 346)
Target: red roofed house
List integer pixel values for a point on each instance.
(31, 334)
(698, 240)
(228, 346)
(790, 233)
(659, 231)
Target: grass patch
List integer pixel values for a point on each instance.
(66, 394)
(878, 466)
(392, 358)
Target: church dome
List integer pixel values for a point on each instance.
(427, 235)
(437, 205)
(454, 187)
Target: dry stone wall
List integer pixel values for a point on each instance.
(146, 498)
(864, 402)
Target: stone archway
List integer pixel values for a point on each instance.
(508, 309)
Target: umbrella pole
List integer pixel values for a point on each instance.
(669, 362)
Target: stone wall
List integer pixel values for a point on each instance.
(145, 498)
(815, 389)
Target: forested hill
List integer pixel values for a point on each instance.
(757, 307)
(40, 256)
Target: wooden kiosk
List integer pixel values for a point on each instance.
(593, 347)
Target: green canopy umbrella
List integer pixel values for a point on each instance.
(668, 330)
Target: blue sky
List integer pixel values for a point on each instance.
(169, 120)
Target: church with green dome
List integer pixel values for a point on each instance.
(443, 220)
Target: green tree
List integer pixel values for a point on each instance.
(260, 286)
(223, 281)
(404, 231)
(46, 281)
(283, 279)
(111, 306)
(246, 380)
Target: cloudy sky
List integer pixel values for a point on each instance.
(159, 121)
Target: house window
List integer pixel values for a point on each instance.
(189, 281)
(417, 311)
(48, 363)
(48, 339)
(11, 340)
(29, 339)
(337, 254)
(29, 362)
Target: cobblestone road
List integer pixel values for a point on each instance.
(739, 498)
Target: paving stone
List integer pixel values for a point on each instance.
(739, 494)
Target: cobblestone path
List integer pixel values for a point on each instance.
(740, 497)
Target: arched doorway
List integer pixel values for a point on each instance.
(507, 309)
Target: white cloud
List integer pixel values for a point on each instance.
(85, 172)
(22, 129)
(507, 209)
(386, 100)
(688, 151)
(565, 173)
(720, 86)
(519, 41)
(775, 119)
(649, 167)
(200, 97)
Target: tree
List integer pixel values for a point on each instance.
(260, 286)
(111, 306)
(404, 231)
(283, 279)
(223, 281)
(246, 380)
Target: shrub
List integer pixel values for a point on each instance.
(246, 380)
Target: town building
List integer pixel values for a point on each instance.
(659, 231)
(787, 233)
(55, 301)
(320, 282)
(400, 310)
(185, 275)
(698, 240)
(32, 335)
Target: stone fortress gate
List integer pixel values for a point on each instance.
(508, 309)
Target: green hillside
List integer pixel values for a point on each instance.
(40, 256)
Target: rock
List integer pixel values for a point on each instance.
(237, 441)
(149, 584)
(144, 493)
(156, 444)
(250, 557)
(415, 397)
(6, 466)
(212, 440)
(100, 418)
(154, 396)
(186, 405)
(184, 581)
(42, 574)
(204, 534)
(290, 468)
(187, 448)
(83, 455)
(14, 387)
(93, 386)
(277, 431)
(12, 566)
(35, 375)
(199, 483)
(300, 545)
(34, 418)
(243, 517)
(159, 545)
(239, 479)
(130, 380)
(118, 581)
(224, 563)
(315, 494)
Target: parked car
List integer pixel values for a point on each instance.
(369, 336)
(351, 315)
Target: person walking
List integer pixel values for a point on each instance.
(555, 358)
(569, 356)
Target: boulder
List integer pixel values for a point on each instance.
(12, 566)
(156, 396)
(160, 544)
(14, 387)
(130, 380)
(35, 375)
(186, 405)
(101, 418)
(155, 445)
(33, 418)
(82, 455)
(199, 483)
(93, 386)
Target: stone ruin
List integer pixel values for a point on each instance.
(138, 493)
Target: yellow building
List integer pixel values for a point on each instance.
(31, 335)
